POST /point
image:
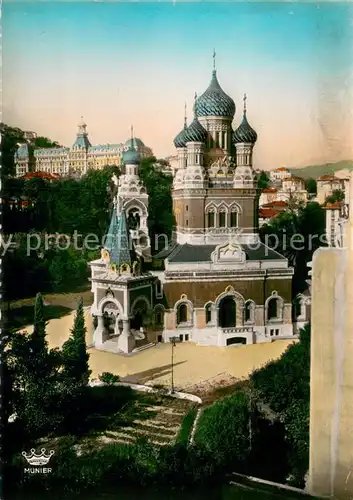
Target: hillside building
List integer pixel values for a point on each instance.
(77, 159)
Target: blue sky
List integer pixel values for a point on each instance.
(138, 62)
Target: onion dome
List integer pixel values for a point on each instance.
(214, 101)
(134, 142)
(179, 140)
(244, 133)
(195, 131)
(131, 156)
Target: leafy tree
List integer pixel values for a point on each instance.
(44, 142)
(223, 430)
(38, 344)
(284, 385)
(296, 234)
(161, 220)
(10, 137)
(263, 180)
(34, 371)
(311, 186)
(337, 195)
(74, 350)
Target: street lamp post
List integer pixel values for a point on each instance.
(173, 341)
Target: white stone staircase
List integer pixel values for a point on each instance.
(144, 347)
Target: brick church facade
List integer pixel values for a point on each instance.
(220, 285)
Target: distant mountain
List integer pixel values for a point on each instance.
(315, 171)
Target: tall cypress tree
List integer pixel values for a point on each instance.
(38, 345)
(74, 350)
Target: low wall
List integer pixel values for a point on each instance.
(147, 388)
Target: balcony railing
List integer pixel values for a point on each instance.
(238, 330)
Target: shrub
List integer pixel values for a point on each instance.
(109, 378)
(223, 430)
(186, 427)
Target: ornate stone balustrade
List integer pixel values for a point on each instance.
(242, 330)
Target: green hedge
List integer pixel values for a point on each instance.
(223, 430)
(186, 427)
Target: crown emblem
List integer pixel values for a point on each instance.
(38, 459)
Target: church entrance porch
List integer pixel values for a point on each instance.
(237, 335)
(227, 312)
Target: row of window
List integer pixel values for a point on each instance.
(227, 312)
(220, 219)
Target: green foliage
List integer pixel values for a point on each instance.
(74, 351)
(223, 430)
(263, 180)
(311, 186)
(109, 378)
(284, 385)
(186, 427)
(161, 220)
(296, 234)
(48, 270)
(65, 206)
(44, 142)
(10, 137)
(337, 195)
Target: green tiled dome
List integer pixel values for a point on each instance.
(244, 133)
(214, 101)
(179, 140)
(131, 156)
(195, 132)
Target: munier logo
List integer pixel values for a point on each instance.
(38, 459)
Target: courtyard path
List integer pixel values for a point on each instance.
(193, 365)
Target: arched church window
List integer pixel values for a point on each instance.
(182, 313)
(272, 309)
(208, 313)
(222, 219)
(249, 312)
(210, 219)
(234, 219)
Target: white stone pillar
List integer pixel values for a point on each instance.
(126, 342)
(126, 327)
(98, 335)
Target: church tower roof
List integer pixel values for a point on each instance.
(118, 241)
(179, 140)
(132, 156)
(82, 141)
(195, 131)
(214, 101)
(244, 133)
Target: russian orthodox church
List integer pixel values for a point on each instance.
(220, 284)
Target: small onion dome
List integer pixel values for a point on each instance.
(134, 142)
(214, 101)
(244, 133)
(179, 140)
(195, 132)
(131, 157)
